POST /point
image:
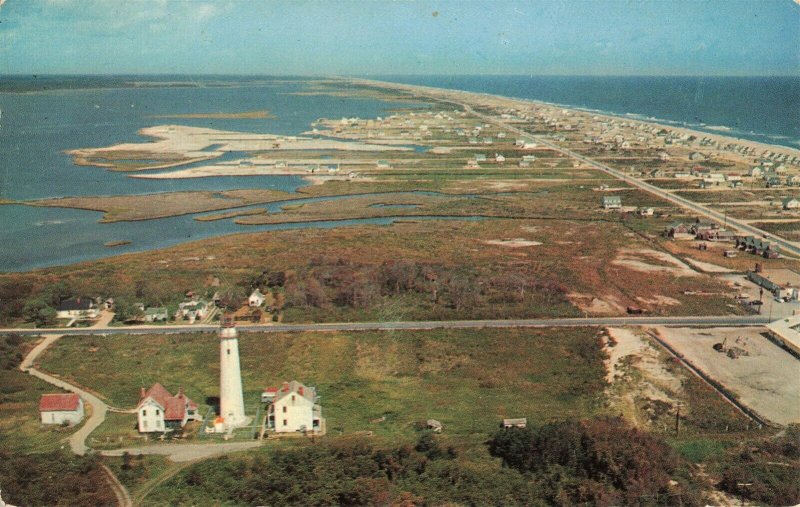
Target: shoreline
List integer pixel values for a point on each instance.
(608, 115)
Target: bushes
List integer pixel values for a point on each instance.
(600, 461)
(50, 479)
(328, 281)
(10, 351)
(766, 472)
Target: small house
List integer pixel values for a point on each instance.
(480, 157)
(520, 422)
(383, 164)
(499, 158)
(77, 308)
(790, 203)
(646, 212)
(612, 202)
(696, 156)
(256, 299)
(64, 408)
(156, 314)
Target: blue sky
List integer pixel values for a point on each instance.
(300, 37)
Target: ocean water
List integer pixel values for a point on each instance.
(42, 118)
(37, 126)
(764, 109)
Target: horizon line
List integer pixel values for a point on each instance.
(369, 76)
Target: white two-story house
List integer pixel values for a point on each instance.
(294, 407)
(160, 411)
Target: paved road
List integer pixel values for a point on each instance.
(77, 441)
(722, 320)
(680, 201)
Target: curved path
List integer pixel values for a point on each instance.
(77, 441)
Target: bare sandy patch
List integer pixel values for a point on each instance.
(659, 300)
(764, 377)
(596, 306)
(708, 267)
(512, 243)
(652, 261)
(637, 376)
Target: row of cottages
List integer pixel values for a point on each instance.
(293, 407)
(78, 308)
(66, 408)
(757, 246)
(159, 411)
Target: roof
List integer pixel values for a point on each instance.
(788, 330)
(59, 402)
(159, 393)
(257, 293)
(156, 311)
(272, 390)
(75, 304)
(175, 408)
(295, 387)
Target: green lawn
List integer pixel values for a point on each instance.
(467, 379)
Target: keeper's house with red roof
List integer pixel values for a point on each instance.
(64, 408)
(159, 411)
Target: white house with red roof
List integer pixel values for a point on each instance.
(61, 408)
(293, 407)
(160, 411)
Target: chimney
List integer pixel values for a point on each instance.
(180, 392)
(142, 393)
(286, 387)
(300, 390)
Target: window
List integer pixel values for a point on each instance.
(229, 351)
(292, 398)
(285, 423)
(144, 413)
(284, 410)
(158, 412)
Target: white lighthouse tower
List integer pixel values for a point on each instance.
(231, 400)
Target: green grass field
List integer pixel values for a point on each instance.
(467, 379)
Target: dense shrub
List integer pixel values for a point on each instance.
(53, 479)
(601, 461)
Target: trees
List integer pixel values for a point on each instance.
(600, 461)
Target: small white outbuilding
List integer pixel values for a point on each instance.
(60, 408)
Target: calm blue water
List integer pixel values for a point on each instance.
(37, 127)
(765, 109)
